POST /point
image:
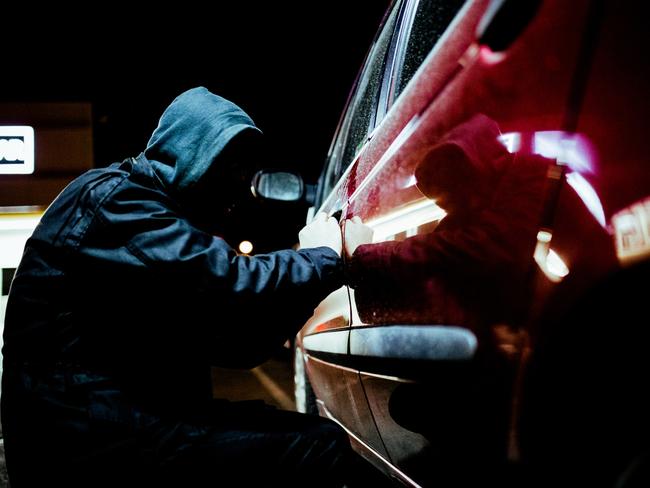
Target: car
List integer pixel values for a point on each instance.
(495, 332)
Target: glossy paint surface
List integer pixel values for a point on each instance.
(507, 185)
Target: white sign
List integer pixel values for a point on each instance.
(16, 149)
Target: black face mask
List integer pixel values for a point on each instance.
(222, 200)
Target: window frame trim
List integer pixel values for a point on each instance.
(335, 149)
(399, 42)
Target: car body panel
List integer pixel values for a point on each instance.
(388, 197)
(548, 138)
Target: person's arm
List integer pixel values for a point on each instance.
(259, 301)
(166, 243)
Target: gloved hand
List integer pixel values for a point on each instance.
(356, 233)
(322, 231)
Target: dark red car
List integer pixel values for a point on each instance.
(497, 331)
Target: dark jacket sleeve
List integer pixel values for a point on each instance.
(147, 232)
(266, 298)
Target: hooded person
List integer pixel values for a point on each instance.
(125, 298)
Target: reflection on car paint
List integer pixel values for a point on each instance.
(406, 219)
(527, 270)
(333, 342)
(491, 201)
(331, 313)
(440, 343)
(395, 146)
(547, 259)
(588, 196)
(571, 149)
(632, 232)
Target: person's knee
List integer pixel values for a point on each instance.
(329, 451)
(332, 434)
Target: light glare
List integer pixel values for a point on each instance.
(245, 247)
(16, 149)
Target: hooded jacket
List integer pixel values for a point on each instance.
(121, 303)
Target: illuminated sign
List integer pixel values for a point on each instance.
(16, 149)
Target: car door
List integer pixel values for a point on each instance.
(458, 184)
(325, 336)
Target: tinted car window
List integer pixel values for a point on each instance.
(422, 23)
(431, 19)
(363, 106)
(334, 168)
(360, 112)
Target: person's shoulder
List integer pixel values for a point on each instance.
(75, 206)
(85, 189)
(94, 182)
(133, 192)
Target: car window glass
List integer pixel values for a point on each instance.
(364, 102)
(333, 168)
(431, 19)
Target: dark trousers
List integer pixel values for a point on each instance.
(235, 444)
(257, 445)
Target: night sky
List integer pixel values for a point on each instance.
(290, 66)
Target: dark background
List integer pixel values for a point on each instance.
(290, 66)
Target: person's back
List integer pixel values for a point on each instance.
(121, 304)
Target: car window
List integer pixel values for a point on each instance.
(364, 102)
(422, 24)
(333, 170)
(428, 21)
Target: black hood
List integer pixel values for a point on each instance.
(191, 135)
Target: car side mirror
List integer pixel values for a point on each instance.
(284, 186)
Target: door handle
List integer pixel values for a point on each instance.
(413, 342)
(411, 352)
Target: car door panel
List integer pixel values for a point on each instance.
(519, 93)
(601, 233)
(441, 66)
(325, 342)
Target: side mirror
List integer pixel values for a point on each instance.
(280, 185)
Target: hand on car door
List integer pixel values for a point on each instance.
(322, 231)
(356, 233)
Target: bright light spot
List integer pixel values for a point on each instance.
(16, 149)
(11, 223)
(555, 264)
(588, 196)
(245, 247)
(12, 149)
(572, 150)
(405, 219)
(14, 232)
(511, 141)
(409, 182)
(548, 260)
(490, 57)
